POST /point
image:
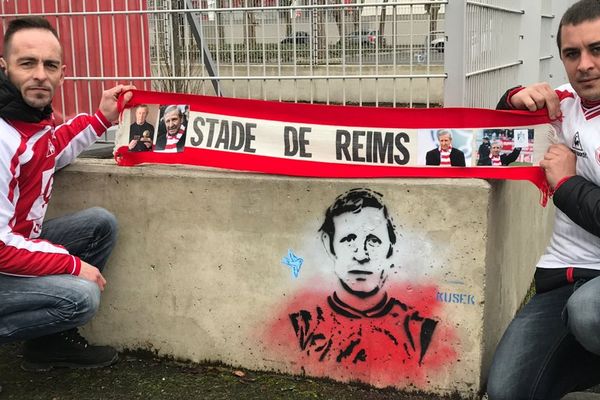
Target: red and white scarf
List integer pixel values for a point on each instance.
(172, 140)
(496, 162)
(445, 157)
(344, 151)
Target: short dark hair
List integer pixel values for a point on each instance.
(583, 10)
(354, 201)
(19, 24)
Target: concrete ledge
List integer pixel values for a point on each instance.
(200, 271)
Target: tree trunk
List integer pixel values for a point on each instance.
(380, 36)
(221, 23)
(285, 14)
(433, 11)
(338, 16)
(176, 52)
(250, 26)
(321, 39)
(356, 15)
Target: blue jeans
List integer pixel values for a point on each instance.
(39, 306)
(552, 346)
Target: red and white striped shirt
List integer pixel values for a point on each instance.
(30, 153)
(445, 157)
(173, 140)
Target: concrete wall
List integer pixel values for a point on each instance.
(207, 268)
(519, 231)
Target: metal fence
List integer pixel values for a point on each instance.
(327, 53)
(424, 53)
(497, 44)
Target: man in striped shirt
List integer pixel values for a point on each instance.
(50, 272)
(496, 159)
(174, 140)
(445, 155)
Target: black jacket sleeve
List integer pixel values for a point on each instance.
(460, 158)
(579, 199)
(510, 157)
(503, 104)
(431, 159)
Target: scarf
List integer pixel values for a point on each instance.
(445, 157)
(12, 105)
(173, 140)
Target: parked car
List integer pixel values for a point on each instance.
(438, 44)
(301, 38)
(366, 38)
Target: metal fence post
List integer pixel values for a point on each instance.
(529, 45)
(454, 54)
(557, 75)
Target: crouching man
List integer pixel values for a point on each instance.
(50, 272)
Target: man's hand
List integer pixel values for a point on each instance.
(536, 97)
(132, 144)
(108, 104)
(91, 273)
(558, 163)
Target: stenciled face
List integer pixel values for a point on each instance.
(173, 122)
(495, 150)
(361, 243)
(445, 141)
(34, 65)
(580, 54)
(140, 115)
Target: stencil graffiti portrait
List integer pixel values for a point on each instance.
(365, 326)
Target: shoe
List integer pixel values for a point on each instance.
(65, 349)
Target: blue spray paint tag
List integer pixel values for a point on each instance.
(293, 262)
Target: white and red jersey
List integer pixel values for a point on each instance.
(172, 141)
(571, 245)
(30, 153)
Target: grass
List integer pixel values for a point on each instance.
(143, 376)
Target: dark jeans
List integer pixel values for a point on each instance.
(551, 348)
(37, 306)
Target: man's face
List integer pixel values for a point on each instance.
(445, 141)
(495, 150)
(361, 244)
(580, 54)
(173, 122)
(34, 65)
(140, 115)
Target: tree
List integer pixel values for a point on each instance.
(221, 22)
(321, 15)
(433, 11)
(170, 49)
(285, 14)
(382, 18)
(250, 18)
